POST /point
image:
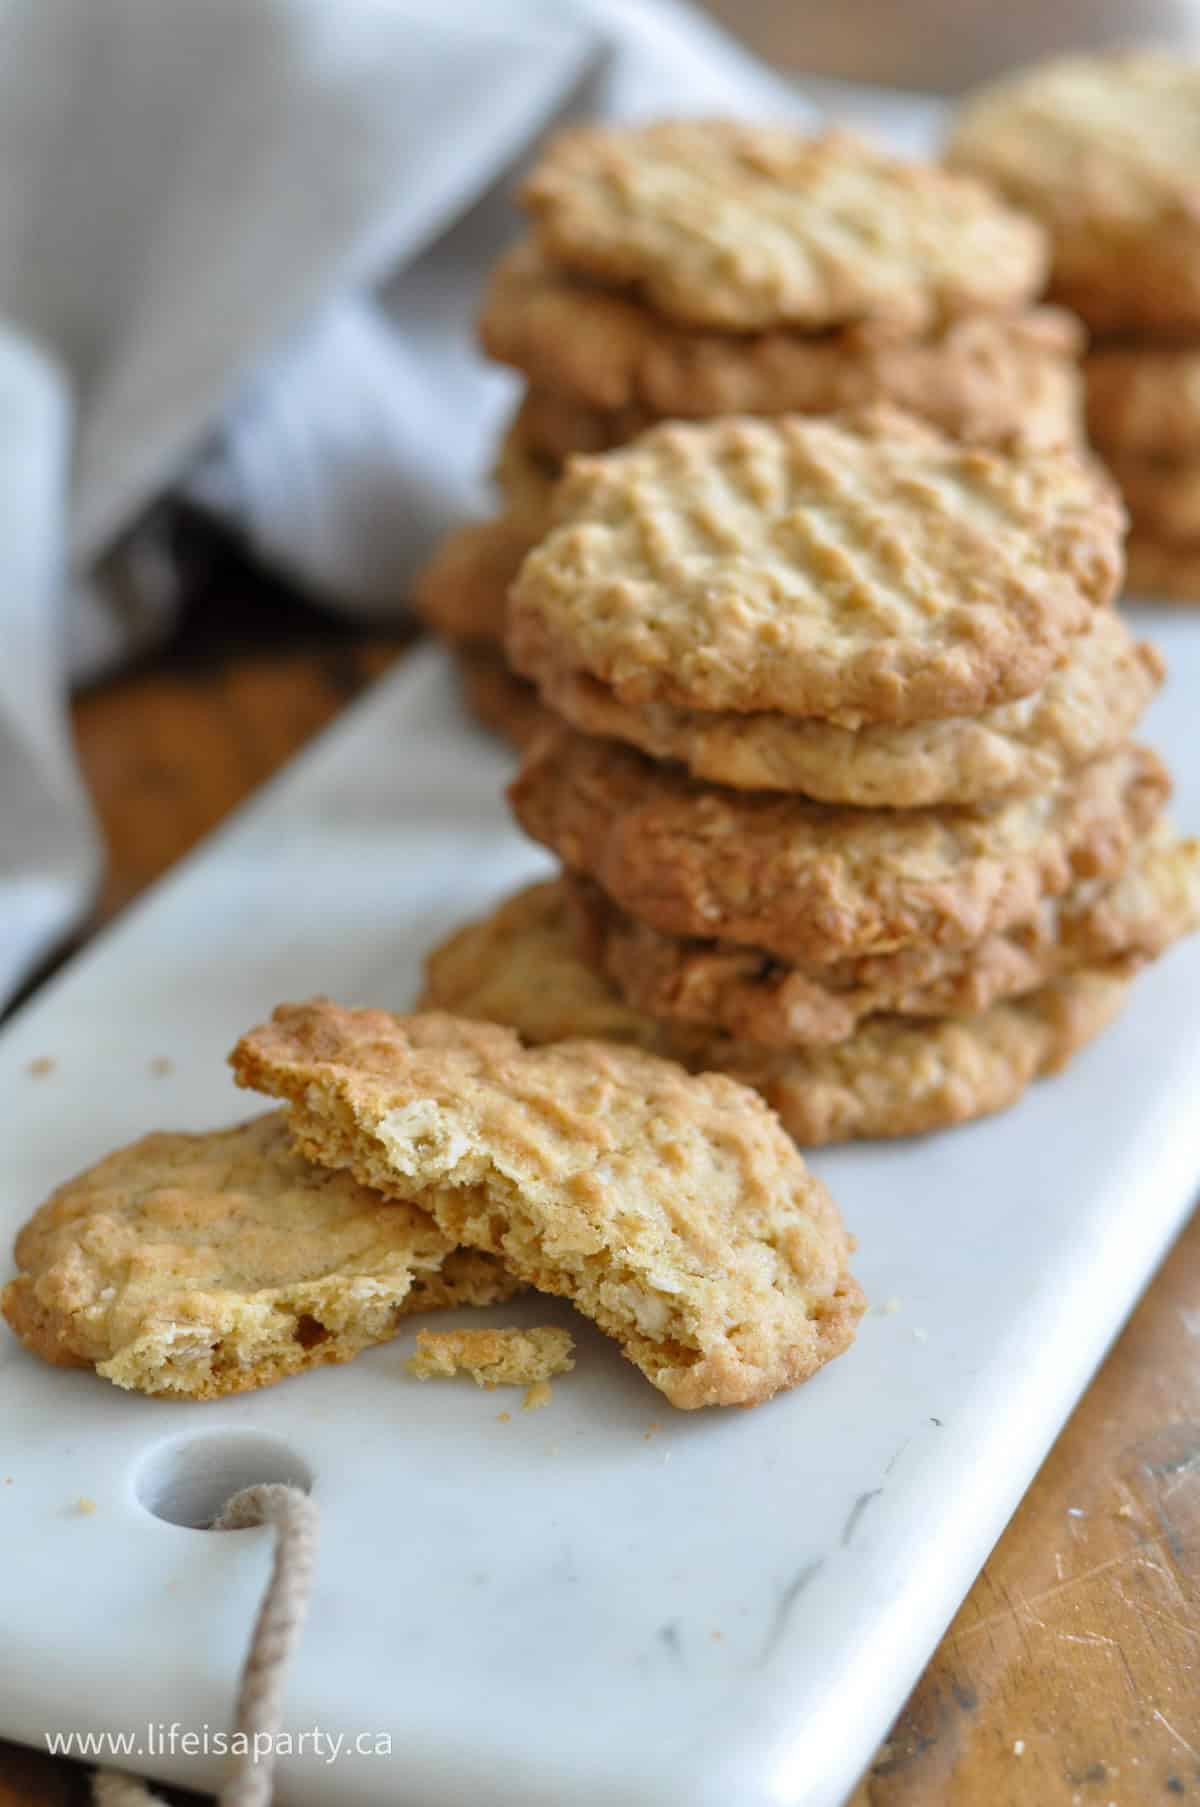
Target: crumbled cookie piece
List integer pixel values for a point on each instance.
(671, 1209)
(494, 1358)
(199, 1265)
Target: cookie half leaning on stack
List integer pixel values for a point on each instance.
(1105, 150)
(704, 268)
(843, 785)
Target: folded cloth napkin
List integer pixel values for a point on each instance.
(240, 247)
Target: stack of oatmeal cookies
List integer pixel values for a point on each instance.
(693, 270)
(1105, 150)
(842, 780)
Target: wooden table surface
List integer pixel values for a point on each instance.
(1071, 1676)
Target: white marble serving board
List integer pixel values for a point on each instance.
(605, 1601)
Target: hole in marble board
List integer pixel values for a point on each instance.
(187, 1481)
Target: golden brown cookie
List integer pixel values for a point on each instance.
(716, 223)
(526, 478)
(508, 705)
(1088, 706)
(1162, 572)
(1143, 400)
(523, 966)
(858, 568)
(671, 1209)
(461, 592)
(1163, 499)
(814, 883)
(1115, 925)
(1105, 150)
(602, 367)
(199, 1265)
(494, 1358)
(551, 428)
(893, 1077)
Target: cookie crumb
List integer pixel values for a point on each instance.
(536, 1396)
(504, 1358)
(84, 1506)
(41, 1066)
(888, 1309)
(161, 1065)
(504, 1418)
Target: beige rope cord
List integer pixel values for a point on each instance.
(280, 1619)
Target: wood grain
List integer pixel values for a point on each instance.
(1071, 1676)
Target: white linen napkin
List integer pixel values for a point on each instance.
(241, 244)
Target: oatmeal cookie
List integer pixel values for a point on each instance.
(672, 1209)
(1104, 148)
(893, 1077)
(716, 223)
(812, 882)
(1115, 925)
(1088, 706)
(863, 568)
(199, 1265)
(601, 367)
